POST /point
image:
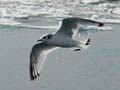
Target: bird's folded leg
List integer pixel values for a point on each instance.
(88, 42)
(77, 49)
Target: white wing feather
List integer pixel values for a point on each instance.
(38, 55)
(70, 26)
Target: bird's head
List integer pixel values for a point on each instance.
(46, 37)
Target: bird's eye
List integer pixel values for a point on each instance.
(44, 37)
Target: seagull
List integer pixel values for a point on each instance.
(65, 37)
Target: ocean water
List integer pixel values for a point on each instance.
(97, 68)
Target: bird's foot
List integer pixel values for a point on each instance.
(89, 40)
(87, 43)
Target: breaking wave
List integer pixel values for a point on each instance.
(103, 10)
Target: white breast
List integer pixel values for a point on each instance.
(62, 41)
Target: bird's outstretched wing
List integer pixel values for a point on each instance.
(86, 31)
(37, 57)
(71, 26)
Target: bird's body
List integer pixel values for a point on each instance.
(62, 41)
(64, 38)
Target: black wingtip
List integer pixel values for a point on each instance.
(33, 76)
(101, 24)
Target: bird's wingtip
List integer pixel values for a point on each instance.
(33, 74)
(32, 78)
(101, 24)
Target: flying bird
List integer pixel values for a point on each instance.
(65, 37)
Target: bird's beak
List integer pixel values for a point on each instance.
(39, 40)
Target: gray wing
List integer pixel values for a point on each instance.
(37, 58)
(71, 26)
(84, 33)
